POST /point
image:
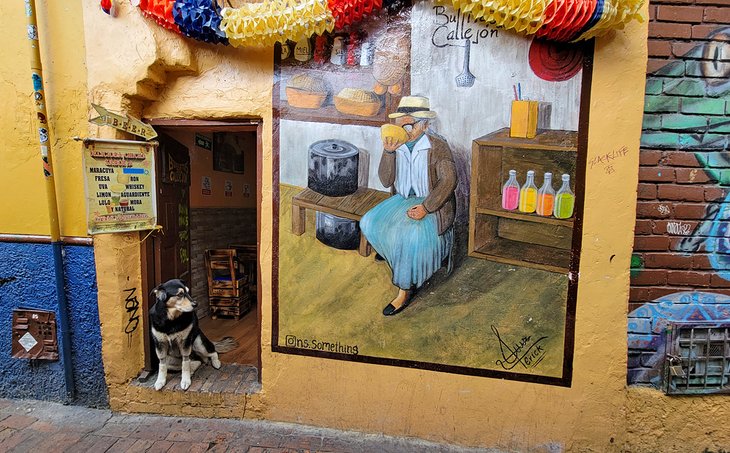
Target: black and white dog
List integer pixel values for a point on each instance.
(179, 342)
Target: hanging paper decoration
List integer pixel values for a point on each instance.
(555, 61)
(160, 11)
(348, 12)
(269, 22)
(199, 19)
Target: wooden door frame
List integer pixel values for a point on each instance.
(238, 124)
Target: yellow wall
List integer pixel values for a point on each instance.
(23, 200)
(164, 76)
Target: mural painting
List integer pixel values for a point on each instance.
(687, 109)
(429, 182)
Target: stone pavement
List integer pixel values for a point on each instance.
(37, 426)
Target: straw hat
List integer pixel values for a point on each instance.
(415, 106)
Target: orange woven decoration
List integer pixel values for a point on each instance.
(161, 12)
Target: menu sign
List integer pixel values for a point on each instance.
(120, 186)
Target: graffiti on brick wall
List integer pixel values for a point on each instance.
(648, 324)
(688, 108)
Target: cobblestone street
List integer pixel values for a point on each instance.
(36, 426)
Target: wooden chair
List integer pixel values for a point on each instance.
(228, 292)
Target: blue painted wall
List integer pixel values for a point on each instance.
(27, 281)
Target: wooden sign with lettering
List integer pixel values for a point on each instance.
(123, 122)
(120, 186)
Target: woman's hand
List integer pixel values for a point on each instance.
(417, 212)
(390, 144)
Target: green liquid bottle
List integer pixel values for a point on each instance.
(564, 200)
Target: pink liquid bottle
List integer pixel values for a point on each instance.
(511, 192)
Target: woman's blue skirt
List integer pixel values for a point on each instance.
(413, 248)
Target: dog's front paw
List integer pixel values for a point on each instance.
(215, 362)
(185, 382)
(159, 384)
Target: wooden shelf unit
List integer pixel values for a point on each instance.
(513, 237)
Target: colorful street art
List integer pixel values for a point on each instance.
(394, 247)
(688, 108)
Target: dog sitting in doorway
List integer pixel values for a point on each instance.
(179, 342)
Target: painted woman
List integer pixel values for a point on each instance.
(413, 230)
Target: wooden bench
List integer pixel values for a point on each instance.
(351, 207)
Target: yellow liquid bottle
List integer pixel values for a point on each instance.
(528, 194)
(564, 200)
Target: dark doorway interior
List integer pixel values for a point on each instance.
(208, 198)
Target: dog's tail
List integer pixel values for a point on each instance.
(225, 344)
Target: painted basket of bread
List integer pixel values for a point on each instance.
(353, 101)
(305, 91)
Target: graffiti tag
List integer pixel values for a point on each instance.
(679, 228)
(525, 352)
(131, 304)
(458, 27)
(606, 160)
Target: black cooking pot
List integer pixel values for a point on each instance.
(337, 232)
(333, 167)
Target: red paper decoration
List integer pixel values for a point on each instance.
(555, 62)
(161, 12)
(348, 12)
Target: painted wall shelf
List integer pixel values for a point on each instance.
(513, 237)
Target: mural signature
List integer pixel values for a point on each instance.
(525, 352)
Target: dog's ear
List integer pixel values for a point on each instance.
(159, 294)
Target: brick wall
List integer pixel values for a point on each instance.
(212, 228)
(684, 174)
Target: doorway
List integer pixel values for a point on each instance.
(208, 179)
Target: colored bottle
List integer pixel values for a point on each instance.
(528, 194)
(546, 196)
(564, 200)
(511, 192)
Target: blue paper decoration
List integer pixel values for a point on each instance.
(199, 19)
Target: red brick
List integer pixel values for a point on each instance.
(714, 193)
(648, 294)
(688, 278)
(719, 282)
(17, 421)
(670, 30)
(689, 211)
(649, 157)
(680, 159)
(687, 193)
(651, 243)
(667, 261)
(661, 227)
(702, 31)
(646, 277)
(652, 210)
(675, 244)
(679, 14)
(719, 15)
(652, 12)
(713, 2)
(701, 261)
(679, 48)
(644, 227)
(656, 174)
(640, 294)
(654, 64)
(659, 48)
(646, 191)
(691, 176)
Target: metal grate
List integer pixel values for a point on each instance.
(698, 359)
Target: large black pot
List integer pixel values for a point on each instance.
(333, 167)
(337, 232)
